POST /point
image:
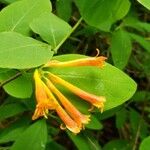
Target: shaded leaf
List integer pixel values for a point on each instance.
(94, 123)
(55, 146)
(121, 117)
(64, 9)
(116, 145)
(84, 141)
(145, 3)
(91, 10)
(132, 21)
(12, 132)
(8, 1)
(121, 47)
(136, 120)
(141, 40)
(33, 138)
(141, 96)
(9, 110)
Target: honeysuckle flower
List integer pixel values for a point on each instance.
(46, 101)
(89, 61)
(97, 101)
(68, 121)
(79, 118)
(43, 102)
(48, 97)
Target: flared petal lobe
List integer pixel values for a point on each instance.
(70, 123)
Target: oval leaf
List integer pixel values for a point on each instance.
(33, 138)
(145, 145)
(91, 10)
(145, 3)
(18, 15)
(20, 52)
(121, 47)
(20, 87)
(99, 81)
(51, 28)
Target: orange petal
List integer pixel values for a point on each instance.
(89, 61)
(43, 102)
(70, 108)
(97, 101)
(70, 124)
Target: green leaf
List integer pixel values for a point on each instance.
(9, 110)
(3, 70)
(142, 41)
(145, 145)
(135, 120)
(121, 47)
(132, 21)
(20, 87)
(141, 96)
(108, 113)
(116, 145)
(12, 132)
(84, 141)
(145, 3)
(33, 138)
(121, 117)
(8, 1)
(51, 28)
(94, 123)
(55, 146)
(18, 15)
(102, 13)
(24, 52)
(64, 8)
(99, 81)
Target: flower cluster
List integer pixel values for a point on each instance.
(49, 97)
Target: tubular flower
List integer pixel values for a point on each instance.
(46, 101)
(97, 101)
(89, 61)
(68, 121)
(43, 102)
(69, 107)
(48, 97)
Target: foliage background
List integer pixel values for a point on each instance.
(120, 29)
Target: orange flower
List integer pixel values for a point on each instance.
(68, 121)
(79, 118)
(89, 61)
(45, 92)
(97, 101)
(46, 101)
(43, 102)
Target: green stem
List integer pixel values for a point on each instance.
(66, 37)
(18, 74)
